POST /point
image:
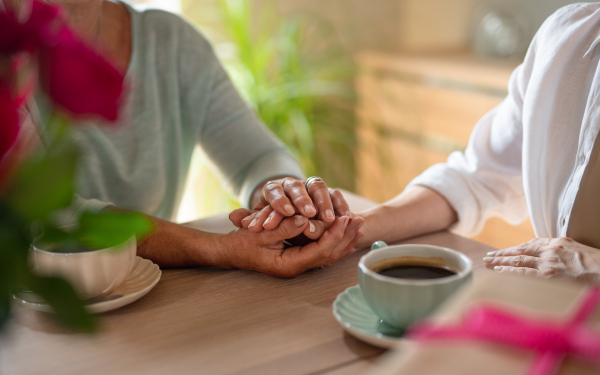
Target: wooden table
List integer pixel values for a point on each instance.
(213, 321)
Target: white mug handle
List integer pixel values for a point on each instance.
(378, 245)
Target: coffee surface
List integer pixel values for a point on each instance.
(418, 272)
(416, 268)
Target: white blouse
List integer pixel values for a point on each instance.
(528, 155)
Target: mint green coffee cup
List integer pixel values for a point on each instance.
(400, 301)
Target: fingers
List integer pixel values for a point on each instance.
(319, 193)
(340, 205)
(296, 260)
(238, 215)
(518, 270)
(351, 248)
(248, 219)
(512, 261)
(337, 242)
(316, 228)
(289, 228)
(297, 192)
(529, 248)
(259, 218)
(274, 194)
(274, 219)
(349, 237)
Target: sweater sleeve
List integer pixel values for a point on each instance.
(240, 147)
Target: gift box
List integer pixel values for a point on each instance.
(505, 324)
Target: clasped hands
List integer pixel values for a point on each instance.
(287, 210)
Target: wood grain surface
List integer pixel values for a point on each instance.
(212, 321)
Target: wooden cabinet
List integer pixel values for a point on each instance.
(414, 111)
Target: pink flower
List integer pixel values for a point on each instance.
(75, 77)
(79, 79)
(9, 118)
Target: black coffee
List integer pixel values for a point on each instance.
(414, 271)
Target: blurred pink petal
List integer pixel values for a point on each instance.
(12, 34)
(79, 79)
(46, 21)
(9, 126)
(74, 76)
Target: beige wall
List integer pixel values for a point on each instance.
(413, 25)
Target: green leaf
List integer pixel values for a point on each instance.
(108, 229)
(69, 309)
(44, 185)
(52, 236)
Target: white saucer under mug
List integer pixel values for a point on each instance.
(143, 277)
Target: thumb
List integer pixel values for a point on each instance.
(289, 228)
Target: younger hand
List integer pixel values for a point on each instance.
(548, 257)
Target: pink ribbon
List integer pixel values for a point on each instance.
(550, 341)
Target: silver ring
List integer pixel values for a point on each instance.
(310, 180)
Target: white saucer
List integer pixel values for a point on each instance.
(144, 276)
(354, 314)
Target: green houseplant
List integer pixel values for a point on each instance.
(296, 76)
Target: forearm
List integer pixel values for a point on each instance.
(174, 245)
(416, 211)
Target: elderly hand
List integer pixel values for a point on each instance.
(548, 257)
(242, 218)
(265, 251)
(288, 196)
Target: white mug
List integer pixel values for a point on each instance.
(401, 301)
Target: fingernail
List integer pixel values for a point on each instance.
(312, 227)
(488, 259)
(247, 218)
(346, 221)
(266, 221)
(361, 224)
(498, 268)
(309, 209)
(289, 209)
(299, 221)
(253, 223)
(329, 214)
(491, 253)
(348, 213)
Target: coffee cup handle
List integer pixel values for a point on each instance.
(378, 245)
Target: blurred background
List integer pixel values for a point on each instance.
(366, 94)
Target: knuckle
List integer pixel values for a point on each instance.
(318, 185)
(302, 200)
(553, 259)
(293, 183)
(564, 240)
(518, 260)
(522, 248)
(325, 253)
(554, 251)
(272, 187)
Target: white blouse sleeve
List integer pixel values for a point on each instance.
(486, 180)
